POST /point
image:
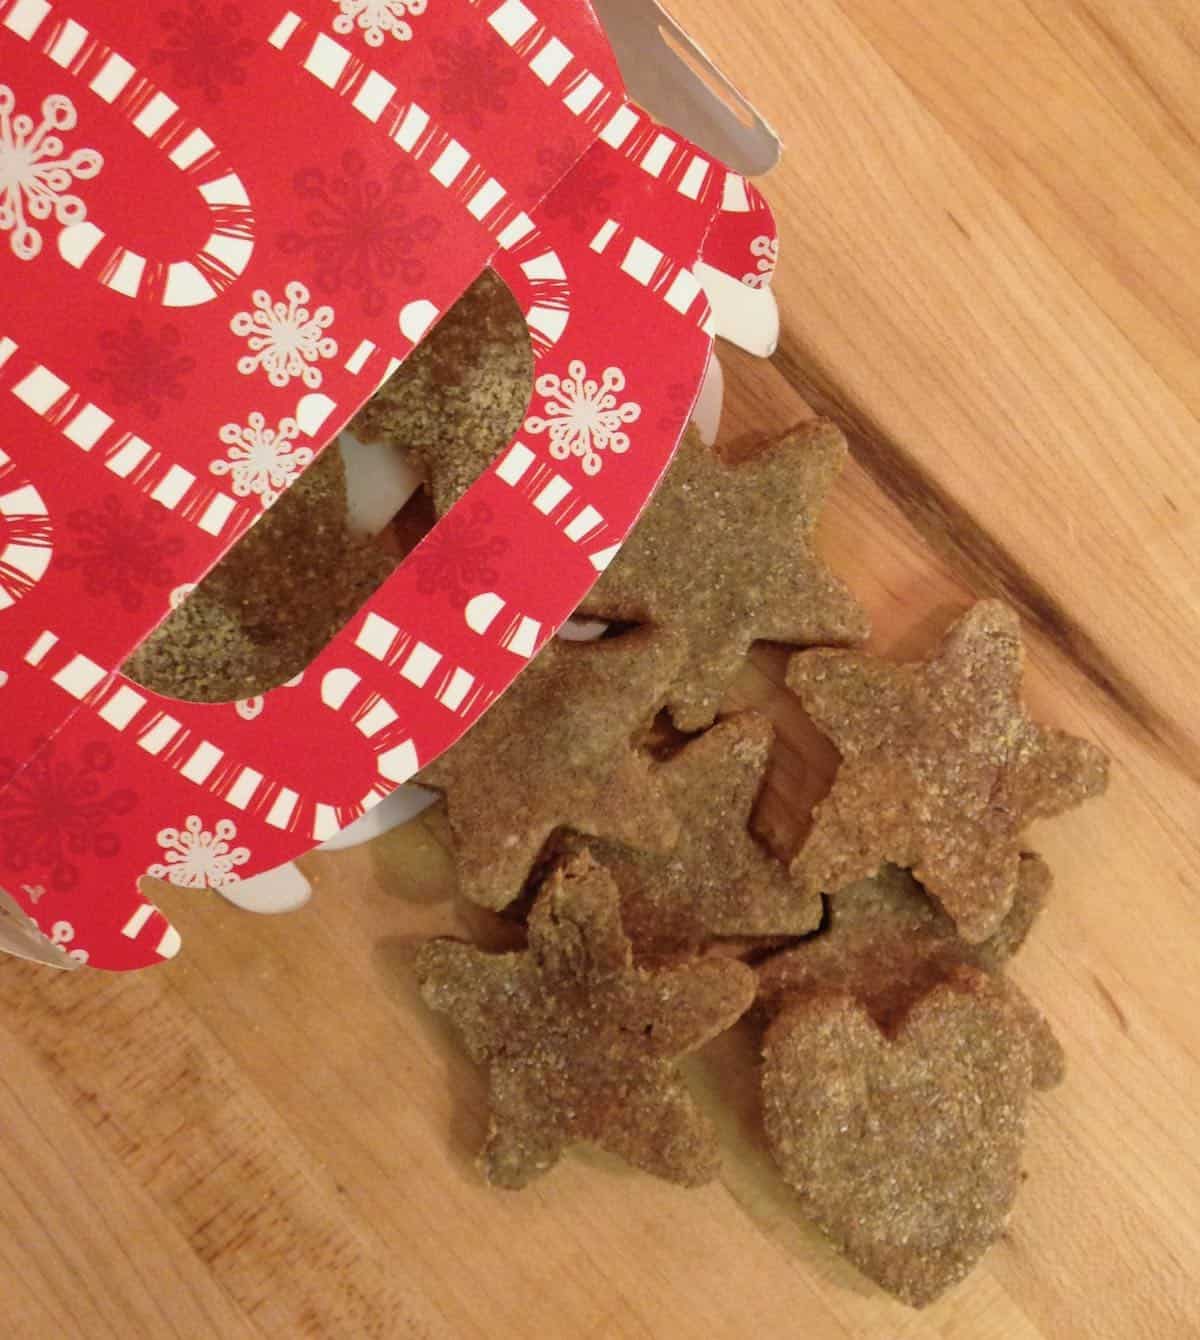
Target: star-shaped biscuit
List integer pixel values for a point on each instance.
(557, 751)
(718, 881)
(580, 1045)
(725, 554)
(941, 770)
(460, 395)
(905, 1148)
(887, 944)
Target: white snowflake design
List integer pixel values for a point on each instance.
(62, 933)
(583, 417)
(194, 858)
(262, 460)
(766, 249)
(377, 18)
(35, 176)
(286, 339)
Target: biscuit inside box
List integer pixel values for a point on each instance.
(289, 585)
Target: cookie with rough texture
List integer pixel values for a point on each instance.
(272, 603)
(461, 395)
(557, 751)
(905, 1149)
(580, 1045)
(719, 881)
(942, 770)
(725, 554)
(887, 944)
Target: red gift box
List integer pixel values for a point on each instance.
(221, 227)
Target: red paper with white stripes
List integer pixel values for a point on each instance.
(221, 226)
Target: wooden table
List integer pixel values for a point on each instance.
(992, 226)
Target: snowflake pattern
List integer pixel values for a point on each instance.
(56, 810)
(456, 82)
(362, 234)
(194, 858)
(62, 933)
(582, 415)
(766, 250)
(144, 367)
(262, 460)
(36, 172)
(377, 19)
(203, 48)
(456, 558)
(590, 193)
(286, 340)
(121, 554)
(680, 398)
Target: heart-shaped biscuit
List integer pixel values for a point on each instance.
(905, 1149)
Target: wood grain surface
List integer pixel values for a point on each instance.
(991, 217)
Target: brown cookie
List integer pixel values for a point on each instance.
(270, 605)
(557, 751)
(581, 1046)
(905, 1150)
(887, 944)
(941, 770)
(461, 395)
(718, 881)
(725, 555)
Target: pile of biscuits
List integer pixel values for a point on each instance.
(607, 806)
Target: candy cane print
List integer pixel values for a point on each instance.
(25, 535)
(741, 240)
(421, 660)
(741, 246)
(225, 254)
(738, 266)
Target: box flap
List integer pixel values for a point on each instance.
(670, 76)
(648, 44)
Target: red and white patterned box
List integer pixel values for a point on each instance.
(222, 224)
